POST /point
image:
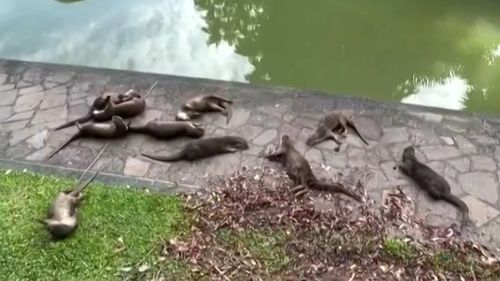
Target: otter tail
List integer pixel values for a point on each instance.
(73, 122)
(171, 158)
(351, 124)
(460, 204)
(74, 137)
(336, 187)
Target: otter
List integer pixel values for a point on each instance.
(99, 105)
(116, 128)
(132, 105)
(431, 182)
(168, 129)
(62, 216)
(333, 122)
(204, 148)
(299, 171)
(197, 105)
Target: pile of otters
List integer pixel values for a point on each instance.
(105, 120)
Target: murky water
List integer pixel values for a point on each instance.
(438, 53)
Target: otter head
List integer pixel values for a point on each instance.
(102, 104)
(238, 143)
(57, 229)
(409, 152)
(130, 94)
(285, 140)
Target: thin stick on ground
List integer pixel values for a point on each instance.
(95, 159)
(151, 89)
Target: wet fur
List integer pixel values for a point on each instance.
(197, 105)
(99, 104)
(168, 129)
(62, 216)
(333, 122)
(204, 148)
(129, 104)
(115, 128)
(431, 182)
(300, 172)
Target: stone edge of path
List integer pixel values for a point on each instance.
(274, 89)
(157, 186)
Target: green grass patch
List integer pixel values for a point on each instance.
(95, 252)
(268, 247)
(399, 249)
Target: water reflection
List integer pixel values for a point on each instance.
(450, 92)
(153, 36)
(363, 48)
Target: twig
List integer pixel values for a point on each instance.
(151, 89)
(220, 271)
(93, 161)
(473, 274)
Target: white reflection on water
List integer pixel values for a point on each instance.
(496, 52)
(450, 92)
(163, 36)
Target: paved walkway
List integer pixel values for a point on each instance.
(36, 98)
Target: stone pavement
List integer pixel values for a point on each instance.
(36, 98)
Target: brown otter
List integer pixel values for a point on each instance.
(168, 129)
(197, 105)
(431, 182)
(62, 217)
(133, 104)
(204, 148)
(108, 105)
(300, 172)
(116, 128)
(333, 122)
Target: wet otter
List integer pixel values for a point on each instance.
(99, 105)
(333, 122)
(116, 128)
(62, 217)
(197, 105)
(299, 171)
(204, 148)
(431, 182)
(168, 129)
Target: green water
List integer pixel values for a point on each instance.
(439, 53)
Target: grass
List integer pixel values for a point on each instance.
(267, 247)
(399, 249)
(107, 217)
(121, 230)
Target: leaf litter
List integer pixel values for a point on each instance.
(350, 241)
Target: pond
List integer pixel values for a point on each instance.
(438, 53)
